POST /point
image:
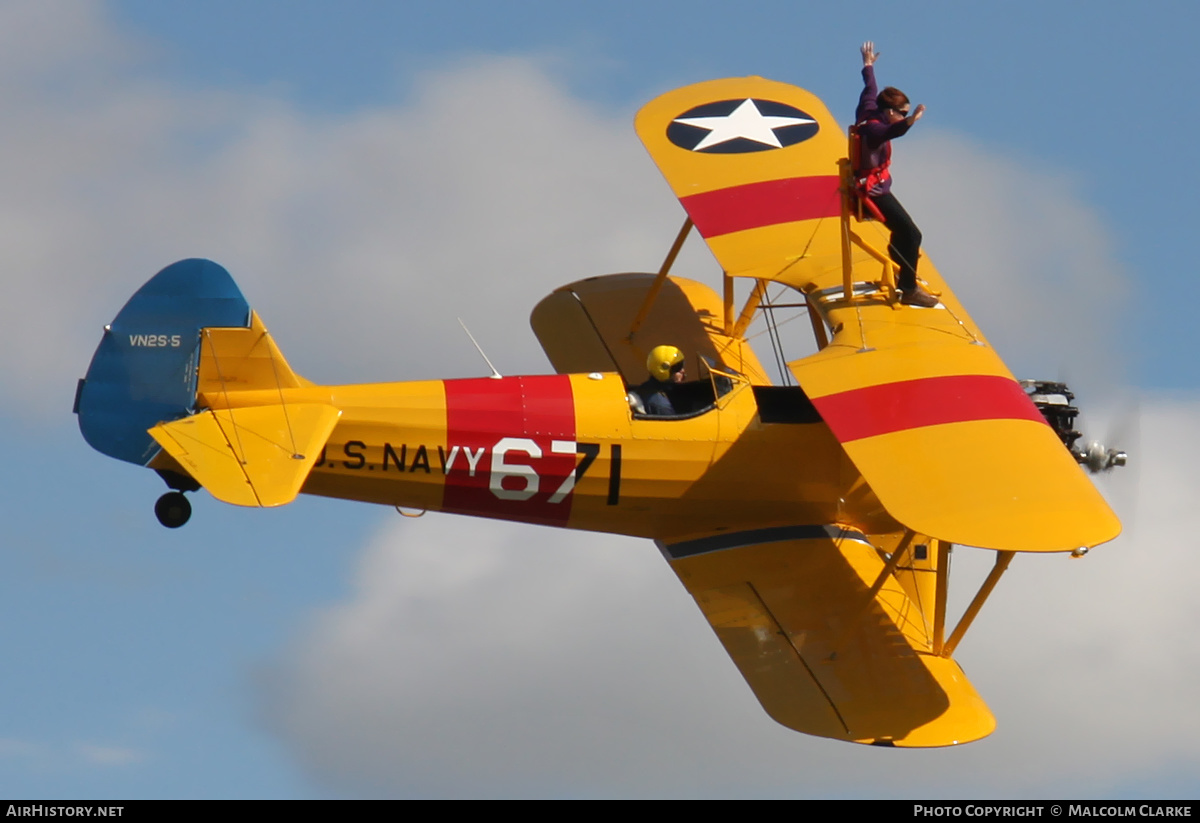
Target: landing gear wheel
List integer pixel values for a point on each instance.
(173, 510)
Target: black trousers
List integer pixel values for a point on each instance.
(905, 247)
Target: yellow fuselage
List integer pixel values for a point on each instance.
(565, 450)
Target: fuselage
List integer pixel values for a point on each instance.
(566, 450)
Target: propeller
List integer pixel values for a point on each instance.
(1121, 489)
(1054, 400)
(1099, 457)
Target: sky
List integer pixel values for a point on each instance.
(368, 171)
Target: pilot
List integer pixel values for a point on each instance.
(881, 117)
(667, 370)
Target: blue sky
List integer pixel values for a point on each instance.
(368, 171)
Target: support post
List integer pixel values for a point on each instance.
(728, 312)
(889, 568)
(847, 268)
(818, 325)
(941, 591)
(747, 314)
(661, 278)
(964, 623)
(888, 277)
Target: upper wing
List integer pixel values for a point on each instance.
(827, 638)
(922, 404)
(755, 164)
(946, 438)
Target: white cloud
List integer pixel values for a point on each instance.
(473, 654)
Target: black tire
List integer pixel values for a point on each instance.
(173, 510)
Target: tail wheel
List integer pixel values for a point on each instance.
(173, 510)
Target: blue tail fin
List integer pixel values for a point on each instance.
(144, 371)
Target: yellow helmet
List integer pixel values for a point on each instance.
(662, 361)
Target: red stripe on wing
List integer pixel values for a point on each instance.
(929, 401)
(483, 412)
(767, 203)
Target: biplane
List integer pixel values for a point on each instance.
(812, 518)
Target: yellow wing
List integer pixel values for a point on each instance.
(829, 641)
(588, 326)
(924, 407)
(755, 164)
(947, 439)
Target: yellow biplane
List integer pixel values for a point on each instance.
(811, 520)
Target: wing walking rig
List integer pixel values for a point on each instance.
(812, 521)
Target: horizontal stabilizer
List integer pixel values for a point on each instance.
(828, 639)
(256, 456)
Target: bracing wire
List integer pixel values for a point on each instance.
(282, 403)
(237, 435)
(776, 342)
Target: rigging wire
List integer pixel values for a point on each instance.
(776, 344)
(237, 434)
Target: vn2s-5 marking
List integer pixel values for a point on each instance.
(155, 341)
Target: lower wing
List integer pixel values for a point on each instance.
(829, 640)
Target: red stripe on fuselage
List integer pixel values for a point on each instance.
(767, 203)
(509, 425)
(929, 401)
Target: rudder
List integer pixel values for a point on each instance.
(144, 370)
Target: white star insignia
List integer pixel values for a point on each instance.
(746, 121)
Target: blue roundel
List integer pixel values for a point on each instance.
(740, 126)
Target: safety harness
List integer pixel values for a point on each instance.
(867, 179)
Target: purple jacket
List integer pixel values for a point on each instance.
(876, 134)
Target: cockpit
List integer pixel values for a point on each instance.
(689, 399)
